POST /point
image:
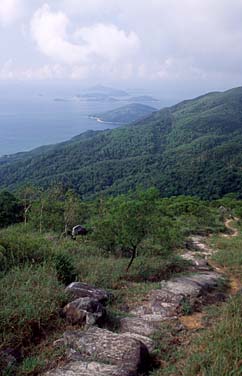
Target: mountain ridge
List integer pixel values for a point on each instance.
(194, 147)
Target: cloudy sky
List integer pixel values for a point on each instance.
(186, 43)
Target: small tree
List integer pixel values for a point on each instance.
(124, 223)
(72, 209)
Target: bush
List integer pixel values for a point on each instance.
(30, 299)
(65, 269)
(23, 247)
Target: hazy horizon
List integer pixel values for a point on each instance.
(171, 50)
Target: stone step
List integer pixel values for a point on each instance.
(101, 345)
(80, 368)
(166, 303)
(198, 261)
(148, 342)
(145, 325)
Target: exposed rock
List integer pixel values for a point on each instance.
(88, 369)
(167, 303)
(197, 262)
(85, 311)
(107, 347)
(148, 342)
(145, 325)
(197, 243)
(83, 290)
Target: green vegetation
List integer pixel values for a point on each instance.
(193, 148)
(10, 209)
(221, 345)
(126, 114)
(216, 349)
(30, 299)
(38, 258)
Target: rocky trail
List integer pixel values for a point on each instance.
(94, 351)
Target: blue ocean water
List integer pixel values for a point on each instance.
(32, 115)
(28, 123)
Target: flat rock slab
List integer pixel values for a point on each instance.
(194, 284)
(197, 243)
(86, 311)
(88, 369)
(83, 290)
(166, 303)
(107, 347)
(197, 261)
(145, 325)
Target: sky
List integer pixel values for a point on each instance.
(195, 45)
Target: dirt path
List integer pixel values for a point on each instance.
(195, 321)
(234, 231)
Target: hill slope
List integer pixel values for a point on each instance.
(194, 147)
(126, 114)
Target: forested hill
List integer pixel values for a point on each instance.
(126, 114)
(194, 147)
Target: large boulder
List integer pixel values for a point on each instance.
(107, 347)
(84, 311)
(83, 290)
(80, 368)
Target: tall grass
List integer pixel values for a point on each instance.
(218, 352)
(30, 299)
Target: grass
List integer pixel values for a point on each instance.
(218, 351)
(30, 299)
(214, 351)
(110, 272)
(229, 253)
(20, 246)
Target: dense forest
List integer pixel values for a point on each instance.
(193, 148)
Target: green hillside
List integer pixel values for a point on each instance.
(194, 147)
(126, 114)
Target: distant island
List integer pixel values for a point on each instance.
(101, 93)
(96, 97)
(125, 114)
(143, 98)
(107, 90)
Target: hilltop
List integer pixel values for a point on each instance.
(194, 147)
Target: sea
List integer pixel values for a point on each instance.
(35, 115)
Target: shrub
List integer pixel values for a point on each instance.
(65, 269)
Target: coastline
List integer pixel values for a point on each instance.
(99, 120)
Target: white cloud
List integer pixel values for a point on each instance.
(8, 71)
(9, 11)
(100, 41)
(159, 40)
(107, 42)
